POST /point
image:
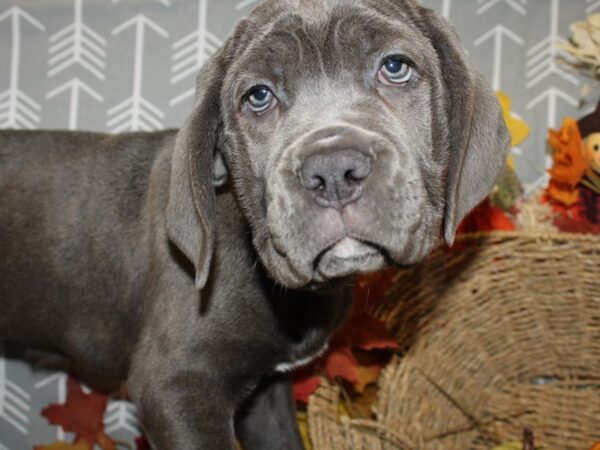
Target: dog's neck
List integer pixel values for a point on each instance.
(305, 318)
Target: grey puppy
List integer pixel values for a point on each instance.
(352, 133)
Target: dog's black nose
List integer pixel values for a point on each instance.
(337, 177)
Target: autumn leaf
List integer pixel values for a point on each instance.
(510, 446)
(596, 446)
(486, 217)
(576, 225)
(572, 211)
(518, 129)
(81, 414)
(302, 420)
(361, 333)
(141, 443)
(305, 383)
(61, 445)
(340, 362)
(569, 163)
(104, 441)
(362, 405)
(367, 375)
(364, 331)
(563, 193)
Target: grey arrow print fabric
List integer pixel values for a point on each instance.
(123, 65)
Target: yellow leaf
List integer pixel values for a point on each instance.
(516, 445)
(518, 129)
(61, 445)
(510, 446)
(303, 426)
(363, 405)
(343, 410)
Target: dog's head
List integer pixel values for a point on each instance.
(355, 134)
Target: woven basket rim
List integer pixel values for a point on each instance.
(548, 235)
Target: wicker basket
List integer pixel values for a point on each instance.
(500, 333)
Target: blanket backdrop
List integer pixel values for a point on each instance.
(124, 65)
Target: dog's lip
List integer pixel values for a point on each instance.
(348, 256)
(349, 248)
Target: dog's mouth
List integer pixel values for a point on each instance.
(346, 257)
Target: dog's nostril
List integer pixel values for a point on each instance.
(319, 183)
(336, 176)
(350, 176)
(313, 183)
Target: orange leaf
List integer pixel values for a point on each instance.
(596, 446)
(366, 376)
(569, 163)
(563, 193)
(61, 445)
(81, 414)
(105, 442)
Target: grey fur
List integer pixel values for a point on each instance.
(120, 252)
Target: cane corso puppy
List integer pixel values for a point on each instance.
(328, 138)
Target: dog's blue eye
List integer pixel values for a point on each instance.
(394, 66)
(395, 71)
(260, 98)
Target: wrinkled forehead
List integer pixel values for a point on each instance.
(316, 38)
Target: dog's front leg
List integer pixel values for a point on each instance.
(184, 411)
(267, 421)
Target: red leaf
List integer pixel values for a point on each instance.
(341, 363)
(305, 383)
(141, 443)
(360, 331)
(81, 414)
(486, 217)
(571, 225)
(364, 331)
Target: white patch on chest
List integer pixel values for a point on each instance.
(290, 366)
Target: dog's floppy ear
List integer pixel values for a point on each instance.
(191, 206)
(478, 136)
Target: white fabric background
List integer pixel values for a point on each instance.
(119, 65)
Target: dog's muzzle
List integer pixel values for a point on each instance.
(334, 172)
